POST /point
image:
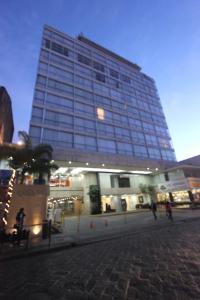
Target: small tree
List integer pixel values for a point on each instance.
(147, 190)
(95, 198)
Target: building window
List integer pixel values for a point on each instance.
(98, 66)
(47, 44)
(168, 155)
(113, 181)
(166, 176)
(125, 78)
(85, 142)
(39, 97)
(84, 60)
(84, 109)
(105, 129)
(134, 123)
(37, 115)
(124, 148)
(154, 153)
(124, 182)
(41, 81)
(58, 139)
(84, 125)
(35, 132)
(164, 143)
(114, 83)
(86, 83)
(61, 61)
(122, 133)
(56, 47)
(102, 101)
(58, 119)
(138, 137)
(151, 140)
(100, 113)
(114, 73)
(56, 101)
(44, 54)
(148, 127)
(106, 146)
(60, 87)
(100, 77)
(140, 151)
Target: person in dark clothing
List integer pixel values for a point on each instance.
(168, 208)
(19, 224)
(154, 209)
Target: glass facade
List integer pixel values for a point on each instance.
(88, 98)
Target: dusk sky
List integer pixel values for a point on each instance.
(162, 36)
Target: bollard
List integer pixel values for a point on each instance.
(45, 229)
(49, 233)
(27, 239)
(92, 225)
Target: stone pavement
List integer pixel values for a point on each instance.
(104, 227)
(158, 263)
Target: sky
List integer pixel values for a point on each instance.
(162, 36)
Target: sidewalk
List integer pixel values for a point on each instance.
(93, 229)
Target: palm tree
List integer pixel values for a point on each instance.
(25, 139)
(6, 150)
(40, 166)
(29, 159)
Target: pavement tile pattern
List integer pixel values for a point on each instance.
(160, 263)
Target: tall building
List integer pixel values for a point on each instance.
(97, 109)
(6, 117)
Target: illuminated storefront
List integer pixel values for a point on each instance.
(119, 203)
(180, 184)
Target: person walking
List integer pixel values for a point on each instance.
(168, 207)
(19, 224)
(154, 209)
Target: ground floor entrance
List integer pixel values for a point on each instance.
(119, 203)
(59, 208)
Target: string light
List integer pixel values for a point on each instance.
(5, 222)
(9, 196)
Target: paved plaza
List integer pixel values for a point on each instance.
(160, 262)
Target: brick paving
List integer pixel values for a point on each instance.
(160, 263)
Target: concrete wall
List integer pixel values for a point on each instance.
(34, 200)
(135, 181)
(176, 174)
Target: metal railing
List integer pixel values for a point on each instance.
(27, 236)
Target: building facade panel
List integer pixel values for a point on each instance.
(88, 98)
